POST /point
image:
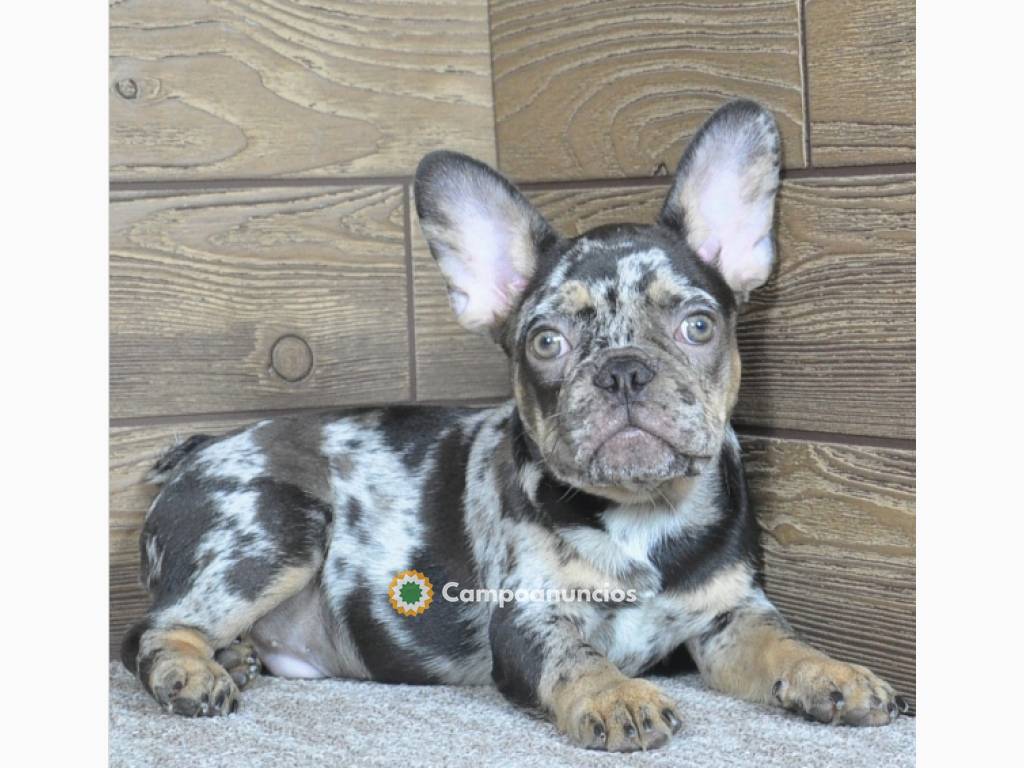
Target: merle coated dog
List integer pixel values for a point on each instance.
(607, 498)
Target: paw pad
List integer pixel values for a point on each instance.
(625, 717)
(830, 691)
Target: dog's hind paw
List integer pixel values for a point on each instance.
(241, 662)
(191, 685)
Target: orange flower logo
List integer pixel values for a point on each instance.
(410, 593)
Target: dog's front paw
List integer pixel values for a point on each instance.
(624, 717)
(191, 685)
(831, 691)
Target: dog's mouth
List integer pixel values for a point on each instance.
(634, 455)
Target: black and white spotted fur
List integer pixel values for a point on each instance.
(613, 467)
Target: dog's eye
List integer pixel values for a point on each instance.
(548, 344)
(698, 328)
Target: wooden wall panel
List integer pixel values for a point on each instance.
(233, 295)
(861, 73)
(839, 535)
(828, 343)
(223, 300)
(587, 90)
(203, 89)
(128, 600)
(133, 450)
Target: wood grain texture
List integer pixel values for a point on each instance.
(128, 600)
(587, 90)
(207, 89)
(839, 536)
(827, 344)
(133, 450)
(861, 81)
(202, 286)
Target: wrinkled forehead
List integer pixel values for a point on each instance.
(600, 278)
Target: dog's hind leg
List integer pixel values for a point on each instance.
(174, 650)
(219, 552)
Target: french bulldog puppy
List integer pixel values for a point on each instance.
(583, 531)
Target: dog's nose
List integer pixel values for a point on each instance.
(624, 376)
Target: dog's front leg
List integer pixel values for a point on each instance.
(541, 661)
(753, 653)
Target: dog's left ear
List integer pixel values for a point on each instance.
(723, 199)
(484, 235)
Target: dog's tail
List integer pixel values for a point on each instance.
(167, 463)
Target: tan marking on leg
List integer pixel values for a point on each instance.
(753, 655)
(181, 674)
(187, 642)
(567, 698)
(288, 582)
(603, 709)
(176, 655)
(757, 658)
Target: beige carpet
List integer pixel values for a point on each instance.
(346, 724)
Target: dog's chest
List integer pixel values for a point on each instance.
(627, 543)
(631, 542)
(635, 633)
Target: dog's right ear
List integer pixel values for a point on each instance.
(484, 235)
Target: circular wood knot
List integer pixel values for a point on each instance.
(127, 88)
(291, 358)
